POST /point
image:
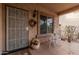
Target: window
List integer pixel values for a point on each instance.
(46, 24)
(43, 24)
(50, 24)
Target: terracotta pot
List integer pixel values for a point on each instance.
(35, 44)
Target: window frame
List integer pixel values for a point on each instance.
(47, 15)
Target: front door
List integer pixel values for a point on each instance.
(16, 24)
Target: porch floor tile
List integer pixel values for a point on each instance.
(61, 48)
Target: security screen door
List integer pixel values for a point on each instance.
(16, 33)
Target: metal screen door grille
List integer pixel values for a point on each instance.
(16, 23)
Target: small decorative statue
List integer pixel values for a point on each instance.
(35, 43)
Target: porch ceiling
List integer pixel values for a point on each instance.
(58, 7)
(52, 7)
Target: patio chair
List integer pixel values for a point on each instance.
(52, 39)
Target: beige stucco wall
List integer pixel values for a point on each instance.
(0, 27)
(32, 31)
(56, 24)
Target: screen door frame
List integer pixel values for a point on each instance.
(6, 27)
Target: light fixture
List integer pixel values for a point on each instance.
(34, 13)
(27, 28)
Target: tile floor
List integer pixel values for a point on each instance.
(61, 48)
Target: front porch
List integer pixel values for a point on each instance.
(22, 23)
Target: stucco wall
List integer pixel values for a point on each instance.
(0, 27)
(32, 30)
(56, 24)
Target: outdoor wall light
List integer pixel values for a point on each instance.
(34, 13)
(27, 28)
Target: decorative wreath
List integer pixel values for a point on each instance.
(32, 23)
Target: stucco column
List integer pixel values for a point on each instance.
(0, 28)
